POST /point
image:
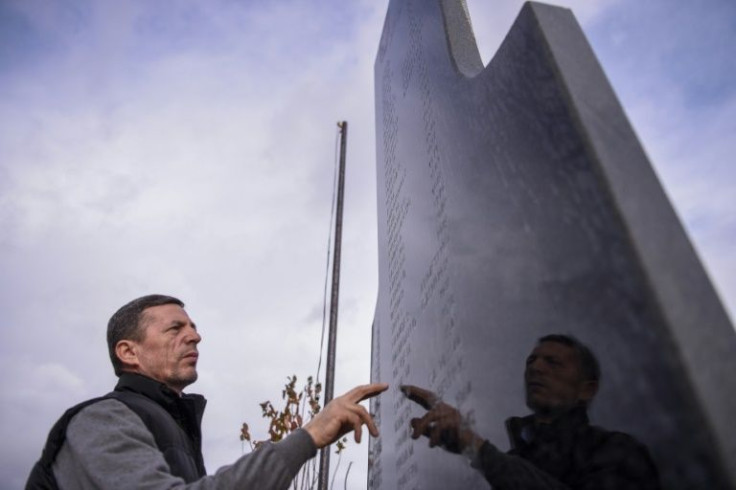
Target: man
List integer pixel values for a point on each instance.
(555, 447)
(146, 434)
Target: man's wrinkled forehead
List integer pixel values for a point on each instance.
(152, 313)
(553, 347)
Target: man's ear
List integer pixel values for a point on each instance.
(127, 352)
(588, 390)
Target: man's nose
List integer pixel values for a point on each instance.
(536, 366)
(193, 335)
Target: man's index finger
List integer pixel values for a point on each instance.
(425, 398)
(363, 392)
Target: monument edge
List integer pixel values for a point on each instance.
(639, 198)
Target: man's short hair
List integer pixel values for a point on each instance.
(589, 366)
(126, 323)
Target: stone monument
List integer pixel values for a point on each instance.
(514, 200)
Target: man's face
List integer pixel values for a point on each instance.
(553, 380)
(168, 351)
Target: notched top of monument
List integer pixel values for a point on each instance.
(462, 46)
(461, 41)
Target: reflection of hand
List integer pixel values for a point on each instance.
(344, 414)
(442, 424)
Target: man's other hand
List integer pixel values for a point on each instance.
(344, 414)
(442, 424)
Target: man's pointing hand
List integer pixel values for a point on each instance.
(344, 414)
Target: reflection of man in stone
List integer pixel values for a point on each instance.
(555, 447)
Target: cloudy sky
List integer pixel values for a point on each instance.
(187, 147)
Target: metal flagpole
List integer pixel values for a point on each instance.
(324, 458)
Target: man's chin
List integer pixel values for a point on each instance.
(544, 410)
(182, 382)
(539, 405)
